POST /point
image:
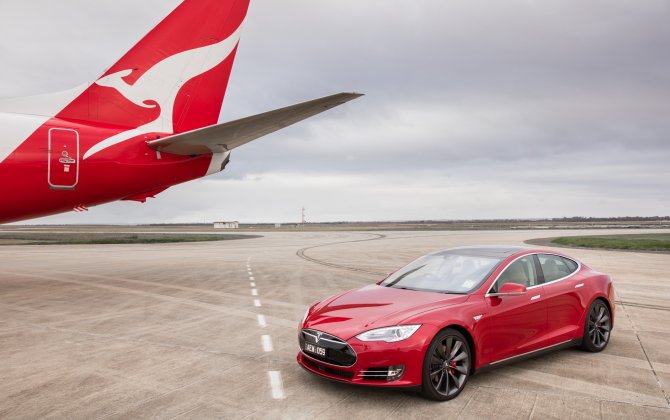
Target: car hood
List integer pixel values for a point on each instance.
(370, 307)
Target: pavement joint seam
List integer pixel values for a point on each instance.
(472, 397)
(140, 341)
(166, 286)
(583, 397)
(532, 410)
(166, 298)
(659, 382)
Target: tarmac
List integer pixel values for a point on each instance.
(209, 330)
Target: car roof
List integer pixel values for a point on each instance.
(494, 251)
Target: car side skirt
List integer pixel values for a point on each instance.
(535, 353)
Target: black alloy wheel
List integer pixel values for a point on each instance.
(446, 367)
(597, 327)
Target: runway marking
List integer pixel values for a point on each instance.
(251, 278)
(262, 322)
(257, 303)
(252, 284)
(276, 385)
(254, 292)
(267, 343)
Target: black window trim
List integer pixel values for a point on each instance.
(540, 273)
(579, 265)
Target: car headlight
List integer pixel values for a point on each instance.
(389, 334)
(304, 318)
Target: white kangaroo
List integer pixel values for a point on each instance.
(161, 84)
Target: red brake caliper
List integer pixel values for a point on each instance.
(452, 370)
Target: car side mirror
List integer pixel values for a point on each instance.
(510, 289)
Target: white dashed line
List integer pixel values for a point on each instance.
(267, 343)
(257, 303)
(254, 292)
(276, 385)
(251, 278)
(252, 284)
(262, 322)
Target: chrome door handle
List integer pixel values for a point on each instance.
(536, 297)
(579, 285)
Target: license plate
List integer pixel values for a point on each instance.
(311, 348)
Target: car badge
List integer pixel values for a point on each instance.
(318, 336)
(477, 318)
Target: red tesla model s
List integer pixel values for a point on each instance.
(436, 321)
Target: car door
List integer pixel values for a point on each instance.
(515, 324)
(562, 291)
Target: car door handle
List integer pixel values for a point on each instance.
(579, 285)
(536, 297)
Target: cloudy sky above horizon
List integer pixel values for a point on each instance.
(506, 109)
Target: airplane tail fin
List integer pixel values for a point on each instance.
(174, 80)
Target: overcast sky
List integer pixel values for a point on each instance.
(497, 109)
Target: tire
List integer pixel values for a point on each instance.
(597, 327)
(446, 366)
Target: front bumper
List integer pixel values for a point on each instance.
(372, 358)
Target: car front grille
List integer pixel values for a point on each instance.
(338, 352)
(326, 369)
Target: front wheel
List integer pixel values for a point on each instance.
(446, 367)
(597, 327)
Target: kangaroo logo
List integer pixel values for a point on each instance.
(159, 86)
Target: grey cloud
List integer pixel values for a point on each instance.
(467, 103)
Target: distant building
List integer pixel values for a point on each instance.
(226, 225)
(277, 225)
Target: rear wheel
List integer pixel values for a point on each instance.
(446, 367)
(597, 327)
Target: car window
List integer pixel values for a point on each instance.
(444, 273)
(521, 271)
(555, 267)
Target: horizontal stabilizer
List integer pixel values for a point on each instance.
(223, 137)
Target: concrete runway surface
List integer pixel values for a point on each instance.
(209, 330)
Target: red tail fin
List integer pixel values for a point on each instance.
(174, 80)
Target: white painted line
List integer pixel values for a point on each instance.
(262, 322)
(251, 278)
(254, 292)
(267, 343)
(257, 303)
(276, 384)
(252, 284)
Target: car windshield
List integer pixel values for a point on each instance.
(443, 273)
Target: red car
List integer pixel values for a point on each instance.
(433, 323)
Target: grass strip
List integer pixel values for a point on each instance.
(649, 242)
